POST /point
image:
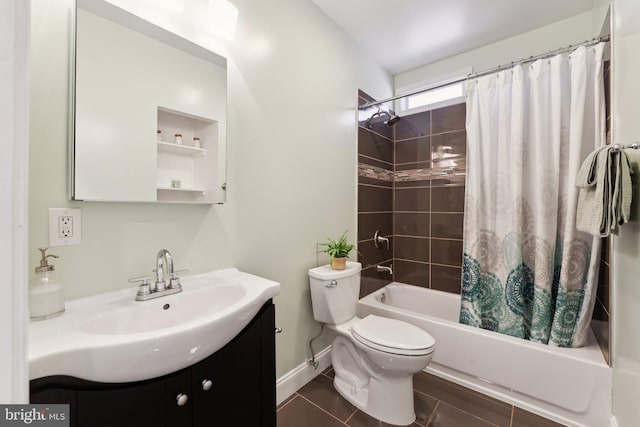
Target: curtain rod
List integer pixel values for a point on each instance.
(497, 69)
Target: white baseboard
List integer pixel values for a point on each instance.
(293, 380)
(613, 421)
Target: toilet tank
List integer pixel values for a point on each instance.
(335, 293)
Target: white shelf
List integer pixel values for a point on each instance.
(184, 190)
(184, 150)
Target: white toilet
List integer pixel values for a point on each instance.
(374, 358)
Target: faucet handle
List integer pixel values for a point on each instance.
(145, 287)
(174, 281)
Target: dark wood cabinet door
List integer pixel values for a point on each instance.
(238, 375)
(151, 403)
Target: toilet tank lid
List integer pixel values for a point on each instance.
(325, 272)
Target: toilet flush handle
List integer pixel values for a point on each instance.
(331, 284)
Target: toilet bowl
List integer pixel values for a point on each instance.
(374, 358)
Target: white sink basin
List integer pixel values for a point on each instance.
(113, 338)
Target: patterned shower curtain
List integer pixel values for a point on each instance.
(527, 271)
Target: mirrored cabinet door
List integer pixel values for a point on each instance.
(150, 112)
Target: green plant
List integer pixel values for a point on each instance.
(338, 248)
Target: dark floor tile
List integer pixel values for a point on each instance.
(473, 403)
(320, 391)
(522, 418)
(299, 412)
(424, 407)
(449, 416)
(360, 419)
(329, 372)
(287, 400)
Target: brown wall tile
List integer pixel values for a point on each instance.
(412, 224)
(373, 162)
(373, 181)
(370, 255)
(374, 199)
(446, 279)
(412, 273)
(372, 280)
(413, 150)
(412, 166)
(445, 145)
(412, 199)
(411, 248)
(448, 119)
(447, 199)
(447, 225)
(419, 183)
(373, 145)
(413, 126)
(447, 252)
(368, 223)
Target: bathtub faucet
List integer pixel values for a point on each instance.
(385, 268)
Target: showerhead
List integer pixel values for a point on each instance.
(392, 120)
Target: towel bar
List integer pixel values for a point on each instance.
(618, 147)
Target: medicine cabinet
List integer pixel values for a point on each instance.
(135, 87)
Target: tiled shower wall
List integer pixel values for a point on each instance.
(411, 189)
(375, 198)
(430, 150)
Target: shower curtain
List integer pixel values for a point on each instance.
(527, 272)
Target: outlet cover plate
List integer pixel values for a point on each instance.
(65, 226)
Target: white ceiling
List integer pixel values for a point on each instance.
(404, 34)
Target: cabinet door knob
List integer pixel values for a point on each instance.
(181, 399)
(207, 384)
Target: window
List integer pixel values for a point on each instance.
(440, 96)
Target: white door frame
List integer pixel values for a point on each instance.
(14, 103)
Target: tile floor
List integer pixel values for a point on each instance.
(438, 403)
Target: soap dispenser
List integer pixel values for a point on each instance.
(46, 299)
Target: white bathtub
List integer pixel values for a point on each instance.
(571, 386)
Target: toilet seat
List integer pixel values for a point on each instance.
(392, 336)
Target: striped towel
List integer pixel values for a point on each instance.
(604, 199)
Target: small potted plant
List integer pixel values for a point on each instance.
(338, 251)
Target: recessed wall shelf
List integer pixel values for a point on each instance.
(169, 147)
(187, 190)
(196, 168)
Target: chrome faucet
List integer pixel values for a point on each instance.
(164, 267)
(164, 257)
(388, 269)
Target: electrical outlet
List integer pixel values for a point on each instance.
(64, 226)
